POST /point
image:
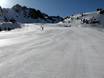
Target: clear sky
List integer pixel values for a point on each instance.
(58, 7)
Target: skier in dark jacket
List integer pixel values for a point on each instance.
(42, 27)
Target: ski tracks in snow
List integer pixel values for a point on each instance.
(54, 53)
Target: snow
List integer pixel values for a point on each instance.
(56, 52)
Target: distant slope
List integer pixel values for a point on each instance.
(86, 19)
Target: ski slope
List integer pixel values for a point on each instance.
(56, 52)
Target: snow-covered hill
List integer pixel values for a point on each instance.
(86, 19)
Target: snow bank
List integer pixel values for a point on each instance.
(7, 26)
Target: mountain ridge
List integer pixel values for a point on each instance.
(27, 15)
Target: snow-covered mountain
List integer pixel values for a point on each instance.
(86, 19)
(27, 15)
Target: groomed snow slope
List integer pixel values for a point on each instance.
(56, 52)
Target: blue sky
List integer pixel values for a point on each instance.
(59, 7)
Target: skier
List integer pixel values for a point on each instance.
(42, 27)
